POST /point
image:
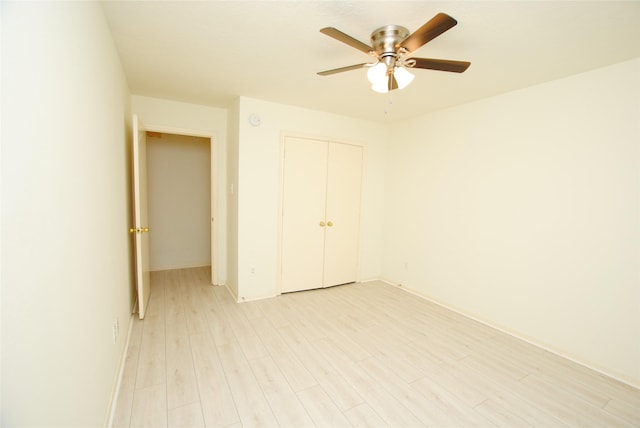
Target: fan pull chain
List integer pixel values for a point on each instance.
(388, 103)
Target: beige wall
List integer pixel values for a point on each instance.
(65, 214)
(179, 197)
(523, 210)
(258, 187)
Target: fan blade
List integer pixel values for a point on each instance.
(429, 31)
(344, 38)
(341, 69)
(393, 83)
(440, 64)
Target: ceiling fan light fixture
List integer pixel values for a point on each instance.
(377, 73)
(380, 78)
(381, 86)
(390, 45)
(403, 77)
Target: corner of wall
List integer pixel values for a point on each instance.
(233, 146)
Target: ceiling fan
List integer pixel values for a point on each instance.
(390, 46)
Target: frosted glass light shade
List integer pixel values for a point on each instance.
(377, 73)
(403, 77)
(382, 86)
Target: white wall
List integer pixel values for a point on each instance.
(65, 242)
(258, 187)
(192, 118)
(523, 210)
(179, 195)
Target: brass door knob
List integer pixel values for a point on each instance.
(330, 223)
(322, 224)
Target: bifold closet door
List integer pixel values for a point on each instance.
(303, 212)
(344, 181)
(320, 213)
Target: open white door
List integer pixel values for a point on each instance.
(141, 227)
(214, 212)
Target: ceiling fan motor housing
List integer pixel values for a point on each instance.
(385, 42)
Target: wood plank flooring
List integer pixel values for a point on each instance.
(359, 355)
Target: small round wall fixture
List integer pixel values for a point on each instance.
(254, 119)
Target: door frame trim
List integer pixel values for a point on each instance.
(215, 223)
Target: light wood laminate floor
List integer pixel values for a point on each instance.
(354, 355)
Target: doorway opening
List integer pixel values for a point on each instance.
(181, 201)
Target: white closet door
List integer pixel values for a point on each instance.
(303, 212)
(344, 182)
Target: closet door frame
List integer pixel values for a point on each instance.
(283, 139)
(215, 218)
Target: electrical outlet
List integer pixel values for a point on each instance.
(115, 329)
(253, 271)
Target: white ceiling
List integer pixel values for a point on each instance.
(211, 52)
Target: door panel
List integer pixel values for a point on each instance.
(140, 214)
(214, 212)
(344, 182)
(303, 210)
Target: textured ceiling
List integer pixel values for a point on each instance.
(211, 52)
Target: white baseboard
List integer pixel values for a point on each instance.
(115, 392)
(134, 308)
(252, 299)
(233, 295)
(512, 333)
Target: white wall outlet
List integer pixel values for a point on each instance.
(253, 271)
(115, 329)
